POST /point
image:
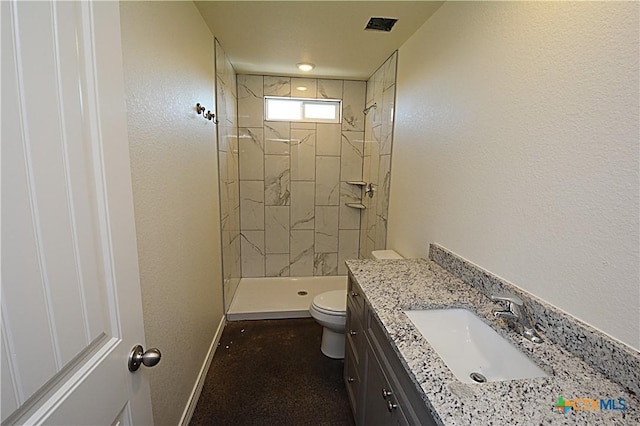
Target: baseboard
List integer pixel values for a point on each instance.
(195, 393)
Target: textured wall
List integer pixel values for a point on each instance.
(293, 180)
(516, 146)
(169, 66)
(227, 114)
(376, 167)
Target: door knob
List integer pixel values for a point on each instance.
(139, 356)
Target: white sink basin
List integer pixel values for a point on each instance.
(467, 345)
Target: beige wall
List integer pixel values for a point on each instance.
(516, 146)
(169, 66)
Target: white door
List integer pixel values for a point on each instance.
(71, 307)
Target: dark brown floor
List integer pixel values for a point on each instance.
(272, 372)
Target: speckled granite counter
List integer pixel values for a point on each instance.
(392, 286)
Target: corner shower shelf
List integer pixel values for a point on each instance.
(359, 206)
(361, 184)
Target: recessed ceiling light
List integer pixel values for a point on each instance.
(301, 88)
(305, 66)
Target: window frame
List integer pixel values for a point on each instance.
(337, 120)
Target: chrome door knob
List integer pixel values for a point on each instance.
(391, 406)
(353, 332)
(386, 393)
(138, 356)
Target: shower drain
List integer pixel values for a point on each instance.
(477, 377)
(302, 293)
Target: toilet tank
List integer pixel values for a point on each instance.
(385, 254)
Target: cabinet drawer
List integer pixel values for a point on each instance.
(354, 332)
(352, 381)
(382, 404)
(412, 404)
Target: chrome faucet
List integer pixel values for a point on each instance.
(518, 314)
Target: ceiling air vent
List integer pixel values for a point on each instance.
(381, 24)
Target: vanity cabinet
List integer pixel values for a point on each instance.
(379, 388)
(355, 345)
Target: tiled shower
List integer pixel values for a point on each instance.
(293, 179)
(226, 112)
(376, 168)
(285, 185)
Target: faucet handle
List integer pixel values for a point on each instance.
(507, 297)
(516, 312)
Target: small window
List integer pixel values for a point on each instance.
(304, 110)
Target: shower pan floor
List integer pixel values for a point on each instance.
(277, 298)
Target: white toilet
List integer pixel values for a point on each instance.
(330, 310)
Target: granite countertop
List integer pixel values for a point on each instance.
(392, 286)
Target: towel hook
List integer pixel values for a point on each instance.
(206, 115)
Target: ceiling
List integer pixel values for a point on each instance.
(271, 37)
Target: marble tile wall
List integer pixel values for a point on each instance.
(378, 141)
(226, 114)
(293, 180)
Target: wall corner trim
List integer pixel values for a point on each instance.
(185, 419)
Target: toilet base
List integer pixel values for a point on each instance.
(332, 344)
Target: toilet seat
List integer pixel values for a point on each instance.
(331, 303)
